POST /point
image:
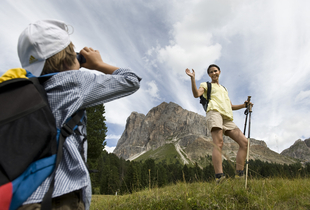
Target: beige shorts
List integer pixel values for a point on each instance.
(215, 120)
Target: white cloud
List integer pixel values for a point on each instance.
(112, 136)
(141, 101)
(188, 49)
(263, 48)
(303, 95)
(284, 134)
(109, 149)
(153, 90)
(117, 111)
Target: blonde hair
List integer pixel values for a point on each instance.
(60, 61)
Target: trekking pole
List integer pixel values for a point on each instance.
(248, 150)
(246, 112)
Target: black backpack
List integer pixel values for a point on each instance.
(205, 101)
(28, 138)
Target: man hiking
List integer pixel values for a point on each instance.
(220, 120)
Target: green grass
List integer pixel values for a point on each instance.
(260, 194)
(167, 153)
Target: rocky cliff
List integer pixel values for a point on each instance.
(169, 123)
(161, 124)
(300, 150)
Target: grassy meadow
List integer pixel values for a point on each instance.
(275, 193)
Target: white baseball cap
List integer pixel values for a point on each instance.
(40, 41)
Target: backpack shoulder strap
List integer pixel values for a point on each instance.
(209, 91)
(205, 101)
(67, 129)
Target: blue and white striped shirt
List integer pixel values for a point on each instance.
(67, 93)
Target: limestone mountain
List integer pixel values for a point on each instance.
(170, 130)
(300, 150)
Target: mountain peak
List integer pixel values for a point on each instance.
(299, 150)
(185, 131)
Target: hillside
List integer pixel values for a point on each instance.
(275, 193)
(169, 132)
(299, 150)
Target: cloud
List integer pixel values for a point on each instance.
(112, 136)
(117, 111)
(262, 47)
(303, 96)
(109, 149)
(141, 101)
(153, 90)
(190, 47)
(290, 129)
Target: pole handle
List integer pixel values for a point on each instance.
(249, 99)
(249, 106)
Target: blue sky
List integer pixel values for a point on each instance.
(262, 47)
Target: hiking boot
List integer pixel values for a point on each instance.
(239, 177)
(239, 174)
(220, 180)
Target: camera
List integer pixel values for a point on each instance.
(80, 58)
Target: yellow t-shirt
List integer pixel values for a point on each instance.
(219, 100)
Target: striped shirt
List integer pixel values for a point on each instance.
(67, 93)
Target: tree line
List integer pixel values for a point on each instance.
(111, 175)
(117, 175)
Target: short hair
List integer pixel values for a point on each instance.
(57, 62)
(213, 65)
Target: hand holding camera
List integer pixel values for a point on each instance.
(80, 58)
(91, 59)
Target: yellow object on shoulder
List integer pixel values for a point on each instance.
(13, 74)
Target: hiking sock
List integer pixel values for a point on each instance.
(239, 173)
(217, 176)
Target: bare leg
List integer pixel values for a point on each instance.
(217, 136)
(238, 137)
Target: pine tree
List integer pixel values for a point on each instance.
(114, 174)
(175, 172)
(162, 176)
(100, 177)
(229, 168)
(132, 178)
(186, 173)
(96, 133)
(145, 176)
(151, 172)
(104, 179)
(208, 172)
(197, 172)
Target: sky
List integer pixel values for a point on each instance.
(261, 46)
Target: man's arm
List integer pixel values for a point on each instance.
(196, 92)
